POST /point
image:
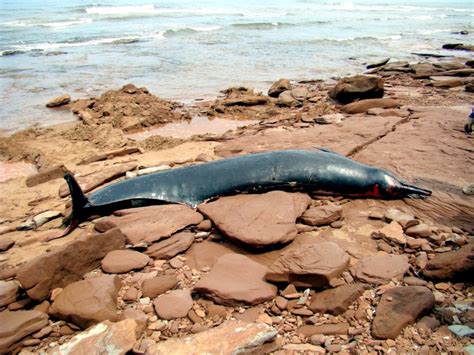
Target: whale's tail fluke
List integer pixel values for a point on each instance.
(79, 203)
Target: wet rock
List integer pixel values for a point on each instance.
(404, 219)
(272, 215)
(322, 215)
(171, 246)
(300, 93)
(286, 99)
(363, 106)
(150, 224)
(103, 338)
(381, 268)
(309, 265)
(59, 101)
(359, 87)
(88, 301)
(232, 337)
(325, 329)
(392, 232)
(8, 292)
(378, 64)
(336, 301)
(399, 307)
(175, 304)
(157, 285)
(278, 87)
(458, 46)
(246, 100)
(236, 279)
(122, 261)
(56, 172)
(14, 326)
(6, 243)
(454, 264)
(420, 230)
(67, 263)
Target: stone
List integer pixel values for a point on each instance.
(204, 226)
(336, 301)
(7, 229)
(122, 261)
(110, 155)
(300, 93)
(150, 224)
(6, 243)
(281, 302)
(8, 292)
(322, 215)
(286, 99)
(172, 246)
(249, 315)
(428, 323)
(246, 100)
(55, 172)
(458, 46)
(231, 337)
(457, 264)
(414, 281)
(67, 263)
(381, 268)
(257, 220)
(15, 326)
(325, 329)
(278, 87)
(236, 279)
(392, 232)
(158, 285)
(89, 301)
(333, 118)
(404, 219)
(103, 338)
(309, 265)
(378, 64)
(461, 330)
(138, 316)
(175, 304)
(420, 230)
(363, 106)
(94, 180)
(399, 307)
(357, 87)
(303, 349)
(131, 295)
(59, 101)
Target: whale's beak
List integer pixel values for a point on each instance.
(405, 189)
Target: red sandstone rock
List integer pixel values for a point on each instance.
(326, 329)
(8, 292)
(232, 337)
(363, 106)
(67, 263)
(150, 224)
(236, 279)
(6, 243)
(309, 265)
(322, 215)
(399, 307)
(175, 304)
(357, 87)
(14, 326)
(257, 220)
(392, 232)
(404, 219)
(88, 301)
(172, 246)
(156, 286)
(121, 261)
(336, 301)
(454, 264)
(381, 268)
(278, 87)
(420, 230)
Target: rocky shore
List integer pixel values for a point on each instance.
(281, 272)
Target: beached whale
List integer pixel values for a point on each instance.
(318, 170)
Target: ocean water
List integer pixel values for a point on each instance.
(187, 49)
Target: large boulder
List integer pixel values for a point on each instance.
(68, 263)
(236, 279)
(88, 301)
(150, 224)
(14, 326)
(359, 87)
(309, 265)
(257, 220)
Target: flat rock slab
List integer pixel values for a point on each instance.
(150, 224)
(68, 263)
(157, 285)
(175, 304)
(8, 292)
(309, 265)
(342, 138)
(172, 246)
(392, 232)
(121, 261)
(325, 329)
(363, 106)
(232, 337)
(56, 172)
(14, 326)
(257, 220)
(322, 215)
(454, 264)
(94, 180)
(381, 268)
(236, 279)
(336, 301)
(88, 301)
(103, 338)
(109, 155)
(399, 307)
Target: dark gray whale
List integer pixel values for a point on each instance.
(311, 170)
